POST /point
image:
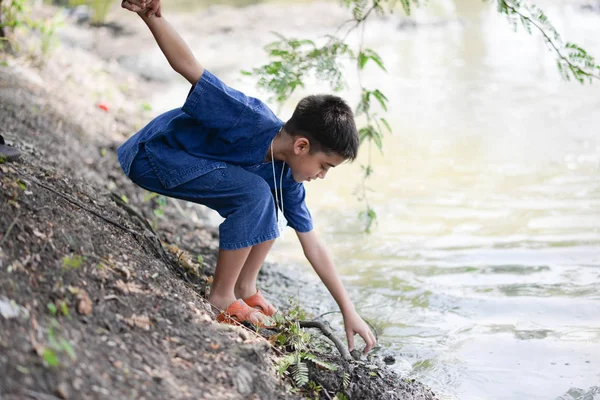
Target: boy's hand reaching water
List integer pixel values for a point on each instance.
(355, 324)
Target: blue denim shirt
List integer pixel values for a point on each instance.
(216, 125)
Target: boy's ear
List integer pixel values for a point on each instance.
(301, 146)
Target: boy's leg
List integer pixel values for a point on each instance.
(245, 201)
(245, 286)
(229, 265)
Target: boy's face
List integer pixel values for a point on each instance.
(307, 166)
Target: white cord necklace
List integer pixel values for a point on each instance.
(275, 181)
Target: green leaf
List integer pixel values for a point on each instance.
(317, 361)
(50, 357)
(21, 184)
(345, 380)
(52, 308)
(67, 348)
(362, 60)
(73, 261)
(387, 125)
(300, 373)
(64, 308)
(376, 58)
(381, 98)
(125, 199)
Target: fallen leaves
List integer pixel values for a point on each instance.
(185, 260)
(130, 287)
(137, 321)
(84, 303)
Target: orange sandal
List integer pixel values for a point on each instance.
(239, 312)
(258, 302)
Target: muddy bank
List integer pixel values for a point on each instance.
(97, 297)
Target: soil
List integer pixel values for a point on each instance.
(100, 298)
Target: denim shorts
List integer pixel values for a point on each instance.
(243, 198)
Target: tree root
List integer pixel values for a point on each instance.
(329, 335)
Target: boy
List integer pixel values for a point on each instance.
(230, 152)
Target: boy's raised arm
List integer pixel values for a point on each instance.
(174, 48)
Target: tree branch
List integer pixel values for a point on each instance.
(549, 40)
(329, 335)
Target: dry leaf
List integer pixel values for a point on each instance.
(140, 321)
(84, 303)
(129, 287)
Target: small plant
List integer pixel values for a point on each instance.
(294, 339)
(57, 347)
(160, 202)
(15, 14)
(73, 261)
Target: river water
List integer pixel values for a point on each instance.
(483, 271)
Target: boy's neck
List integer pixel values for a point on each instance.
(280, 145)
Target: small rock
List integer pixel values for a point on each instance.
(356, 354)
(77, 384)
(389, 360)
(63, 391)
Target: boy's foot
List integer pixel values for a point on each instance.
(239, 312)
(258, 302)
(7, 152)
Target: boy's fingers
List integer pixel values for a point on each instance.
(154, 7)
(139, 3)
(130, 6)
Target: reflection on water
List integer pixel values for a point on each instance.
(483, 273)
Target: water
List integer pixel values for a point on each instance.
(483, 272)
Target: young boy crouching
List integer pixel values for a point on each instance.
(230, 152)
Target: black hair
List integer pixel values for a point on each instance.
(328, 123)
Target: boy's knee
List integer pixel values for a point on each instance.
(258, 193)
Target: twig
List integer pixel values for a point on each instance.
(12, 224)
(76, 202)
(326, 394)
(329, 335)
(119, 201)
(114, 297)
(549, 40)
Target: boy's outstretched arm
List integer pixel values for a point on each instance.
(320, 260)
(174, 48)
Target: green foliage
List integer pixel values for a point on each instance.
(17, 14)
(14, 14)
(340, 396)
(57, 346)
(52, 308)
(299, 343)
(345, 380)
(50, 357)
(368, 216)
(572, 61)
(159, 203)
(73, 261)
(294, 60)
